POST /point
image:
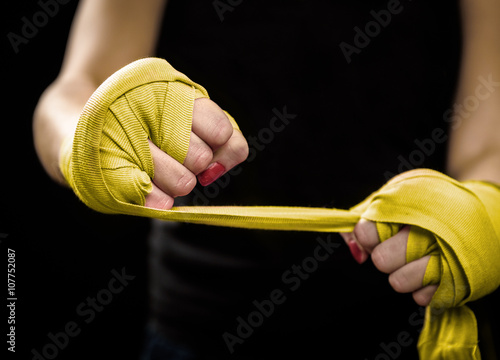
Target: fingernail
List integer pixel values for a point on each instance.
(212, 173)
(356, 252)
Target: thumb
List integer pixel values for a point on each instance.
(128, 184)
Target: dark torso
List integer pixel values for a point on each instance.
(322, 132)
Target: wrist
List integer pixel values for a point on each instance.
(55, 119)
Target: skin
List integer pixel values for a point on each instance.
(213, 139)
(473, 153)
(99, 44)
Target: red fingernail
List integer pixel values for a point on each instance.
(212, 173)
(356, 252)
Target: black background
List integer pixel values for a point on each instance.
(65, 252)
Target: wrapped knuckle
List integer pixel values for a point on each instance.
(422, 299)
(202, 159)
(160, 202)
(240, 151)
(361, 235)
(379, 259)
(222, 130)
(396, 283)
(185, 184)
(165, 203)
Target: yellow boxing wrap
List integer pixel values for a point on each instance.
(147, 99)
(458, 224)
(109, 166)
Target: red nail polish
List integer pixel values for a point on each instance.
(356, 252)
(212, 173)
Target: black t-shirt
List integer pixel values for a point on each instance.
(334, 98)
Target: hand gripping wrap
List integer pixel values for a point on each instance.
(109, 166)
(458, 224)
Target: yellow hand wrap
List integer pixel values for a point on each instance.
(108, 162)
(109, 166)
(458, 224)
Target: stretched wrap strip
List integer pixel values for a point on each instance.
(109, 166)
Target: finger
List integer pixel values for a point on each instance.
(356, 250)
(348, 237)
(210, 123)
(410, 277)
(171, 177)
(366, 234)
(157, 199)
(391, 254)
(423, 297)
(233, 152)
(199, 155)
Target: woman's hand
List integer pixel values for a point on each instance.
(390, 258)
(214, 148)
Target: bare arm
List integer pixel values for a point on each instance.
(474, 148)
(105, 35)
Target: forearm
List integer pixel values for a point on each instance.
(474, 148)
(55, 118)
(105, 36)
